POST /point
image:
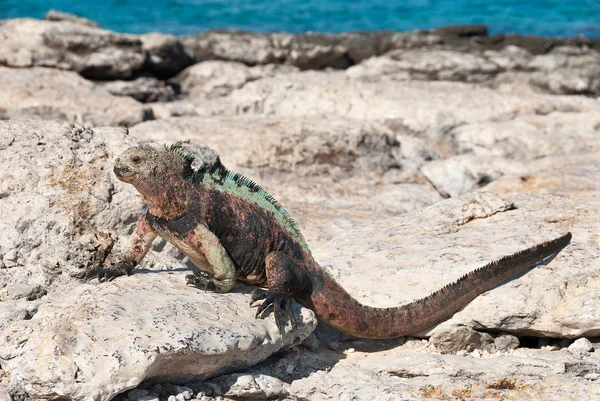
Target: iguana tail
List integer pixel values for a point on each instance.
(338, 309)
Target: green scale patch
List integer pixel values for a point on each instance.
(242, 186)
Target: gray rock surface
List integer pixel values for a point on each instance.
(212, 79)
(581, 348)
(54, 15)
(306, 51)
(142, 89)
(530, 137)
(93, 52)
(427, 249)
(459, 174)
(564, 70)
(505, 342)
(102, 339)
(166, 56)
(51, 94)
(460, 339)
(69, 42)
(400, 371)
(429, 109)
(61, 207)
(318, 51)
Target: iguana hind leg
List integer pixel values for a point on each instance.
(285, 278)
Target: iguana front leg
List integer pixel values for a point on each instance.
(137, 247)
(223, 276)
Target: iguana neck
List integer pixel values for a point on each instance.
(167, 201)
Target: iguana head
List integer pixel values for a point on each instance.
(160, 174)
(140, 163)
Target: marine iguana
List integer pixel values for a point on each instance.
(217, 216)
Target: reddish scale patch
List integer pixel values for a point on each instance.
(247, 231)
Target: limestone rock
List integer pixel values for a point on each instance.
(92, 52)
(5, 395)
(426, 109)
(247, 386)
(166, 54)
(212, 79)
(423, 251)
(176, 108)
(102, 339)
(562, 71)
(581, 348)
(142, 89)
(505, 342)
(456, 175)
(54, 15)
(573, 175)
(459, 339)
(61, 207)
(306, 51)
(427, 65)
(52, 94)
(23, 309)
(530, 137)
(396, 373)
(318, 51)
(567, 70)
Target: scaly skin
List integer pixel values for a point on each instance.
(222, 218)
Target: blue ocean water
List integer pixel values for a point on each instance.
(562, 18)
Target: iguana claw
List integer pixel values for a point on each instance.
(201, 280)
(279, 303)
(257, 295)
(110, 273)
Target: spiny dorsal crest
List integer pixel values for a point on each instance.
(200, 157)
(203, 159)
(241, 179)
(180, 151)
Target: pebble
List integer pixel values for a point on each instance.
(505, 342)
(476, 353)
(581, 348)
(184, 393)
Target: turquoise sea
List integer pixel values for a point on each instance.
(542, 17)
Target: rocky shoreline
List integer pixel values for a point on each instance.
(407, 158)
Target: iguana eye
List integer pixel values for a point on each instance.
(136, 159)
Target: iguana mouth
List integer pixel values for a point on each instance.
(122, 172)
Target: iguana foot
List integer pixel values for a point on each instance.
(258, 295)
(109, 273)
(279, 303)
(201, 280)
